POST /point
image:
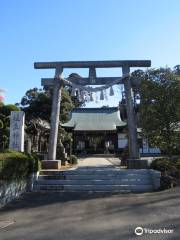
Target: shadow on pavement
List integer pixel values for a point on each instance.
(170, 197)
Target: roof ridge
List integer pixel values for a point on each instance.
(108, 109)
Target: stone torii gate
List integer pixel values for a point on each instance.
(57, 83)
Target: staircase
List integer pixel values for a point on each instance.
(98, 179)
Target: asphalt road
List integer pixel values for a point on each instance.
(69, 216)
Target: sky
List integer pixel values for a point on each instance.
(62, 30)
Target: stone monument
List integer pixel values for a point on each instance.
(16, 142)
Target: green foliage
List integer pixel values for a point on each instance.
(17, 165)
(1, 124)
(5, 111)
(171, 166)
(73, 159)
(160, 109)
(34, 163)
(161, 164)
(177, 69)
(37, 104)
(66, 106)
(63, 135)
(176, 162)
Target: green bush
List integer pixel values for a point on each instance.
(176, 162)
(73, 159)
(161, 164)
(170, 166)
(34, 163)
(17, 165)
(178, 165)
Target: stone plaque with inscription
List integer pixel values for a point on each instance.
(17, 131)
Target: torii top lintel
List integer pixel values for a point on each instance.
(95, 64)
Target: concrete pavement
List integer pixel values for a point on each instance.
(94, 162)
(75, 216)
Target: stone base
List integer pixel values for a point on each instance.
(51, 164)
(137, 164)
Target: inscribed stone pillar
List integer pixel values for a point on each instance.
(16, 142)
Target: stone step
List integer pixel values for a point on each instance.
(94, 182)
(113, 171)
(98, 179)
(94, 177)
(103, 188)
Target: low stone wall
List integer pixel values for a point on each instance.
(11, 190)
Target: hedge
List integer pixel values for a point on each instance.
(73, 159)
(17, 165)
(166, 164)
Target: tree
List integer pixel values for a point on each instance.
(5, 111)
(37, 106)
(177, 69)
(160, 109)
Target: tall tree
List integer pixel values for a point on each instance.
(177, 69)
(37, 106)
(160, 109)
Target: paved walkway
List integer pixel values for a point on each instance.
(95, 162)
(74, 216)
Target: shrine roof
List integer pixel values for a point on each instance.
(95, 119)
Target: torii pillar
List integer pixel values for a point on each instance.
(134, 158)
(52, 162)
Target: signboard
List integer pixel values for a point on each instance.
(17, 131)
(122, 140)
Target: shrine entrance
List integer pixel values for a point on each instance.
(95, 130)
(80, 84)
(94, 143)
(99, 145)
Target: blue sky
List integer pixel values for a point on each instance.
(52, 30)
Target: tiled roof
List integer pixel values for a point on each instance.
(94, 119)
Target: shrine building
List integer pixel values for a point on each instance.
(101, 131)
(97, 130)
